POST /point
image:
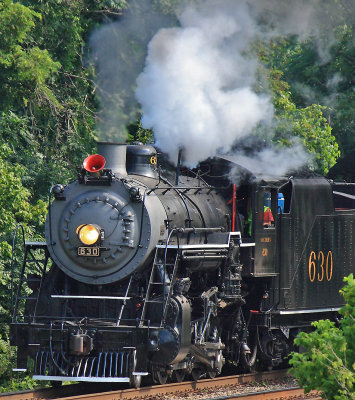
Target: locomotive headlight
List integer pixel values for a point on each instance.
(88, 234)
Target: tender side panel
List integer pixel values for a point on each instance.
(313, 265)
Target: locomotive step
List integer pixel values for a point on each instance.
(165, 265)
(32, 279)
(27, 298)
(154, 301)
(35, 245)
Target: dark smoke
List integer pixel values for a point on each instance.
(118, 50)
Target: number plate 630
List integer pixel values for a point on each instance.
(89, 251)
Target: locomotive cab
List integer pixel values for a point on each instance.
(254, 209)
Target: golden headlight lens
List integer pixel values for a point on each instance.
(88, 234)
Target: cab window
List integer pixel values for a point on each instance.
(268, 217)
(266, 207)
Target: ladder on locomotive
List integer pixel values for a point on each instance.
(162, 253)
(30, 276)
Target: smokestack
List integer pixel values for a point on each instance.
(115, 156)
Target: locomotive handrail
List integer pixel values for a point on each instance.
(205, 257)
(73, 321)
(303, 251)
(251, 244)
(124, 301)
(188, 230)
(203, 246)
(65, 296)
(193, 246)
(308, 311)
(28, 246)
(184, 188)
(12, 261)
(181, 197)
(349, 196)
(167, 299)
(50, 216)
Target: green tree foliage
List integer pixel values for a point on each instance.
(8, 383)
(25, 68)
(326, 79)
(341, 88)
(5, 359)
(15, 208)
(306, 123)
(45, 122)
(328, 362)
(47, 109)
(39, 119)
(49, 103)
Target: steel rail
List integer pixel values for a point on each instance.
(85, 392)
(276, 394)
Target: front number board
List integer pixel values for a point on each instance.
(89, 251)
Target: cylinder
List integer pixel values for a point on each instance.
(115, 156)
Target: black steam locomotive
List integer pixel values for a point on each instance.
(154, 272)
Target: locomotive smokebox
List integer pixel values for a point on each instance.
(115, 156)
(101, 231)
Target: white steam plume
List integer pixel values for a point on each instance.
(270, 162)
(196, 89)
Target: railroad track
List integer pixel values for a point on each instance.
(204, 386)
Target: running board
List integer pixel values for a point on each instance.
(64, 296)
(79, 378)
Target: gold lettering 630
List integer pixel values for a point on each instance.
(320, 266)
